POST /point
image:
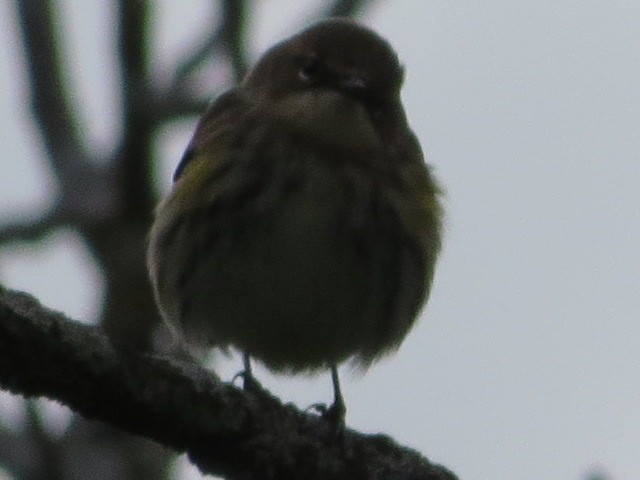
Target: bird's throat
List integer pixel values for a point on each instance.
(330, 116)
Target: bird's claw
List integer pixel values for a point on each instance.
(334, 414)
(249, 382)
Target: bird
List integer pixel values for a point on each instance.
(303, 225)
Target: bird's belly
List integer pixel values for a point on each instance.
(297, 293)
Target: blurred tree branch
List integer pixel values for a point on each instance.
(52, 112)
(347, 8)
(224, 430)
(86, 186)
(30, 229)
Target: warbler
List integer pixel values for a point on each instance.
(303, 226)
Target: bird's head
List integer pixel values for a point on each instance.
(337, 80)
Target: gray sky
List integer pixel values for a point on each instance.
(526, 364)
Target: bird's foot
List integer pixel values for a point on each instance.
(249, 382)
(335, 414)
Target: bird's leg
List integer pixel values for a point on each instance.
(249, 382)
(336, 412)
(246, 363)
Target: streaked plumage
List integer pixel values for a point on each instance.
(303, 226)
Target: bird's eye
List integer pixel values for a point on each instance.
(309, 69)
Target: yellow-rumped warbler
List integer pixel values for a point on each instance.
(303, 226)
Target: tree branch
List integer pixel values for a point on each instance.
(347, 8)
(135, 157)
(178, 104)
(233, 35)
(205, 49)
(52, 111)
(30, 229)
(225, 431)
(86, 186)
(227, 40)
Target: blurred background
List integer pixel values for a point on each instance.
(526, 364)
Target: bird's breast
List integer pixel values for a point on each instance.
(290, 280)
